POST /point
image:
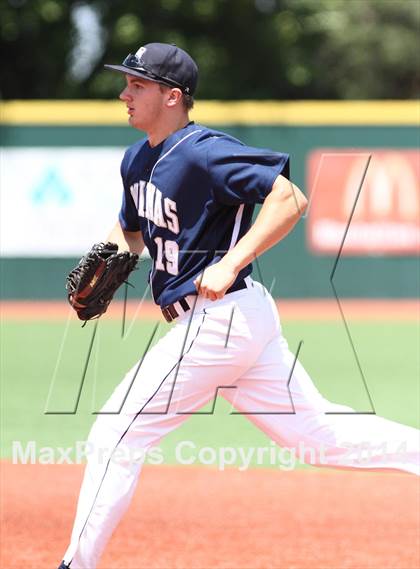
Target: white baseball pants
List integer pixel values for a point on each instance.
(205, 350)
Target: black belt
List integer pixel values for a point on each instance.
(170, 312)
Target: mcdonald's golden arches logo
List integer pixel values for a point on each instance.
(384, 210)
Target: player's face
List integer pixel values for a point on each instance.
(145, 102)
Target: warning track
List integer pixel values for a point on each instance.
(313, 309)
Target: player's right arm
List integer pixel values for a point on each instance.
(126, 240)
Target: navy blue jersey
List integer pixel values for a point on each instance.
(192, 196)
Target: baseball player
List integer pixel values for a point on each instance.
(189, 195)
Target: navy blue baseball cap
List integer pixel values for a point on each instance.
(163, 63)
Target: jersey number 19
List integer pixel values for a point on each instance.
(167, 256)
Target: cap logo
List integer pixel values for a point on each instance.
(140, 52)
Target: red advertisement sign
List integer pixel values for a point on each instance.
(378, 190)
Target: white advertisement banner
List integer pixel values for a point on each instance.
(57, 201)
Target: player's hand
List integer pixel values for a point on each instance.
(215, 281)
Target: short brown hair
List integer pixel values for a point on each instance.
(187, 101)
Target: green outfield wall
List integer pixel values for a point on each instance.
(291, 269)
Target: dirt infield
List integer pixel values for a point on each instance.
(186, 517)
(321, 309)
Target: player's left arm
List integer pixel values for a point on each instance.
(126, 240)
(279, 213)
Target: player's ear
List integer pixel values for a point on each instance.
(174, 97)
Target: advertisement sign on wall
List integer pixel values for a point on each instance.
(57, 201)
(370, 197)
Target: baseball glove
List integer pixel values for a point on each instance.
(92, 284)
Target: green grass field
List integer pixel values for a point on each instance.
(39, 358)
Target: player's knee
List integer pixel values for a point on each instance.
(104, 435)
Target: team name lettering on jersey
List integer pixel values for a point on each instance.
(153, 206)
